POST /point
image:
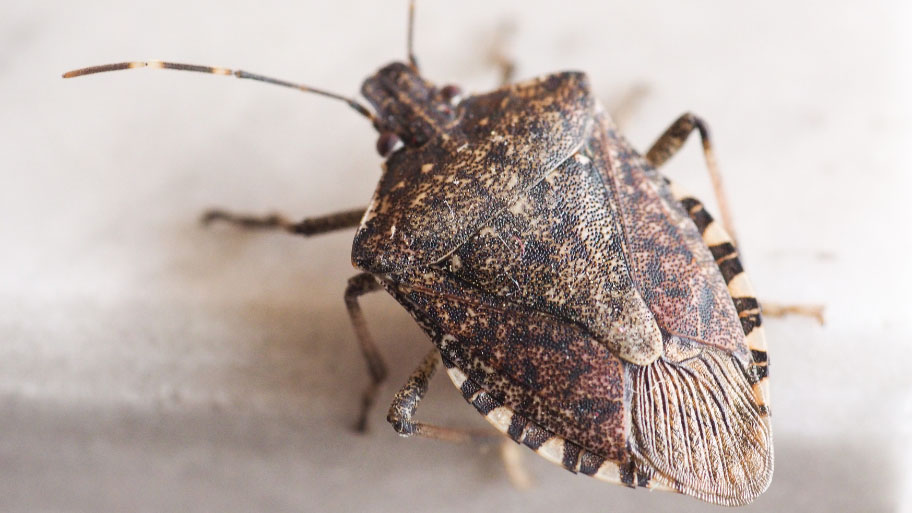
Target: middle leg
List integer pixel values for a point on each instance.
(359, 285)
(671, 141)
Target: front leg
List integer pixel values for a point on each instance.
(623, 108)
(498, 53)
(307, 226)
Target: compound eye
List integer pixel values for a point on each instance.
(387, 143)
(452, 94)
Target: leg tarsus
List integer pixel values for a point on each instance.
(781, 310)
(512, 456)
(307, 226)
(247, 222)
(358, 286)
(405, 404)
(671, 141)
(507, 69)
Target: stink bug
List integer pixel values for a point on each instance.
(580, 302)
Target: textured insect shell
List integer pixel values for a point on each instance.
(432, 198)
(524, 359)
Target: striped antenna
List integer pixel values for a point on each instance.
(218, 71)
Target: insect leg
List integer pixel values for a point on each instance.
(498, 54)
(724, 250)
(308, 226)
(781, 310)
(512, 455)
(507, 68)
(358, 286)
(623, 108)
(672, 140)
(405, 404)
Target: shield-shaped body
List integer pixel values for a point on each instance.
(572, 296)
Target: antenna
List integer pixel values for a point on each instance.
(218, 71)
(410, 48)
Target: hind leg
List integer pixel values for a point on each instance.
(405, 405)
(781, 310)
(721, 240)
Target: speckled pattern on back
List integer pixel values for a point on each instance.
(432, 198)
(576, 295)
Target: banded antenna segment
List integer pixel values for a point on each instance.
(91, 70)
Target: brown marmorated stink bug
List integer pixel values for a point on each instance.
(582, 304)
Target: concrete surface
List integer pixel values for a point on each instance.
(149, 365)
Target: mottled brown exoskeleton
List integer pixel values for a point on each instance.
(580, 302)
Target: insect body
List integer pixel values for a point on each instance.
(583, 305)
(610, 342)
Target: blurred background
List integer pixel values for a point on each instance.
(147, 364)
